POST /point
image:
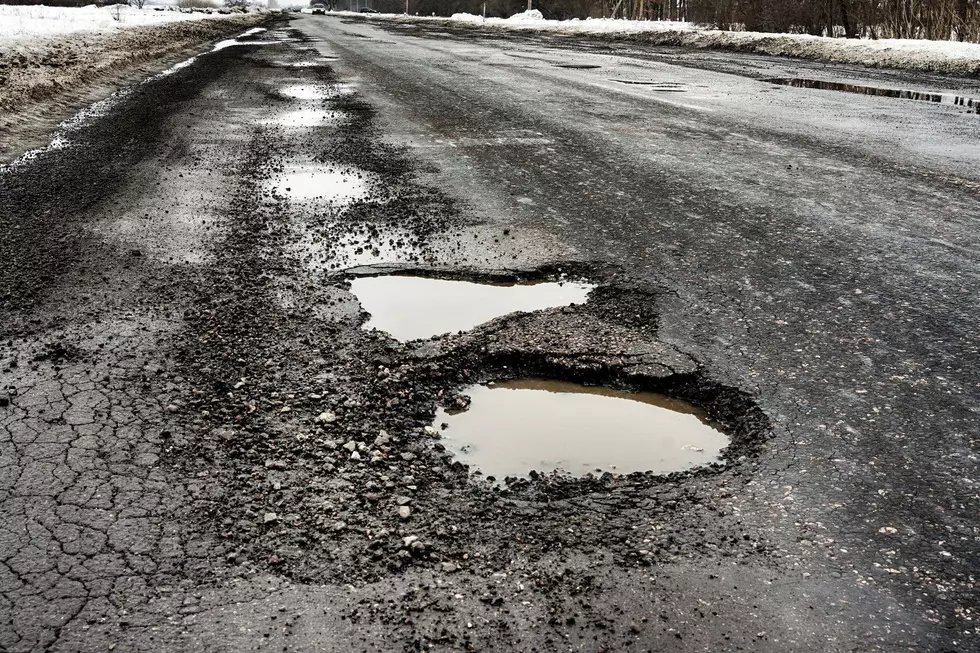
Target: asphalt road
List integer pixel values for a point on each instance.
(185, 381)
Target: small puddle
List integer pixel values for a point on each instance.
(304, 92)
(667, 87)
(971, 104)
(513, 427)
(578, 66)
(412, 308)
(307, 63)
(315, 92)
(306, 118)
(336, 185)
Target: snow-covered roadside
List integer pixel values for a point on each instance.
(44, 78)
(933, 56)
(29, 22)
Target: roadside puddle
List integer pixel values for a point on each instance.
(335, 185)
(972, 105)
(666, 87)
(513, 427)
(412, 308)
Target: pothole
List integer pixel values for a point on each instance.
(307, 63)
(335, 185)
(305, 92)
(513, 427)
(972, 105)
(412, 308)
(314, 91)
(667, 87)
(307, 118)
(578, 66)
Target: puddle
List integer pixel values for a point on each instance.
(312, 92)
(309, 63)
(667, 87)
(578, 66)
(971, 104)
(336, 185)
(411, 308)
(304, 92)
(307, 118)
(513, 427)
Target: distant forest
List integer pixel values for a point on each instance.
(914, 19)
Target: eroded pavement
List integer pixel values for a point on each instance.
(202, 449)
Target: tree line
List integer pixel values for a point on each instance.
(910, 19)
(927, 19)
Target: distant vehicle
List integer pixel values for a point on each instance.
(368, 10)
(319, 8)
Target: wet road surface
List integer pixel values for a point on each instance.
(202, 449)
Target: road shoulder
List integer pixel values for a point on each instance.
(45, 81)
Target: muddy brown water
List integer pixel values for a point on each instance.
(410, 308)
(513, 427)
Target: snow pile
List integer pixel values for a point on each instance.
(33, 21)
(46, 75)
(534, 21)
(909, 54)
(466, 18)
(529, 16)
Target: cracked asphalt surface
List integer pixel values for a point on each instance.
(202, 450)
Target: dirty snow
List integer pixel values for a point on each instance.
(34, 21)
(913, 54)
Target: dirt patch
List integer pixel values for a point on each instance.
(43, 82)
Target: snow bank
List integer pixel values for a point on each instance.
(34, 21)
(46, 76)
(529, 16)
(935, 56)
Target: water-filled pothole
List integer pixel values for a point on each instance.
(305, 92)
(667, 87)
(335, 185)
(307, 118)
(971, 104)
(315, 91)
(513, 427)
(411, 308)
(578, 66)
